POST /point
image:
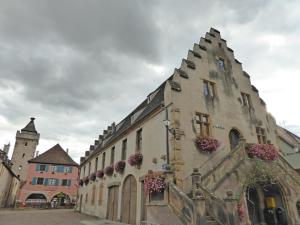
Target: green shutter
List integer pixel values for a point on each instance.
(46, 181)
(46, 169)
(34, 181)
(37, 167)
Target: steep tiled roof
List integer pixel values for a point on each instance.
(55, 155)
(289, 137)
(30, 126)
(141, 112)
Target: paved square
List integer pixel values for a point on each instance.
(49, 217)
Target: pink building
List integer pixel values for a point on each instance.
(52, 179)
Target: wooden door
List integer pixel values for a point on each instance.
(112, 205)
(129, 200)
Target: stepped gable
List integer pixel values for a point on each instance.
(55, 155)
(30, 126)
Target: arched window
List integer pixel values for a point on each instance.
(234, 137)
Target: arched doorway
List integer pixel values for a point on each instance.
(265, 205)
(129, 200)
(234, 137)
(60, 200)
(36, 200)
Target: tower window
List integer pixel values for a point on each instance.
(246, 100)
(23, 155)
(221, 63)
(209, 88)
(25, 144)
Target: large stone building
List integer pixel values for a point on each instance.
(9, 182)
(25, 146)
(52, 177)
(198, 127)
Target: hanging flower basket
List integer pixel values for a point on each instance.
(109, 170)
(86, 180)
(154, 183)
(93, 176)
(81, 182)
(207, 144)
(135, 159)
(120, 166)
(100, 174)
(241, 211)
(263, 151)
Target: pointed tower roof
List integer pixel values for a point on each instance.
(30, 126)
(55, 155)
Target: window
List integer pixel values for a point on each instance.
(84, 170)
(86, 198)
(96, 164)
(261, 135)
(40, 181)
(64, 182)
(124, 148)
(221, 63)
(203, 121)
(246, 100)
(89, 171)
(139, 140)
(112, 155)
(23, 155)
(42, 167)
(25, 144)
(68, 169)
(100, 197)
(103, 160)
(209, 88)
(93, 195)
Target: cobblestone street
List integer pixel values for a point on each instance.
(49, 217)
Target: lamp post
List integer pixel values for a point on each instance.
(167, 123)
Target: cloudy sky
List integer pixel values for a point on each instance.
(77, 66)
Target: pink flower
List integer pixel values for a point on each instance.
(154, 183)
(109, 170)
(120, 166)
(135, 159)
(100, 173)
(93, 176)
(207, 144)
(241, 211)
(263, 151)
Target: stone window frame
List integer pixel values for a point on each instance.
(261, 135)
(203, 120)
(209, 88)
(112, 155)
(96, 164)
(124, 149)
(246, 99)
(139, 139)
(221, 63)
(103, 160)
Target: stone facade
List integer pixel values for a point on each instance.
(25, 146)
(209, 95)
(9, 182)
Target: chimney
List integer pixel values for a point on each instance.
(37, 154)
(67, 150)
(113, 127)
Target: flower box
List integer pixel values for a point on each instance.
(109, 170)
(93, 176)
(154, 183)
(263, 151)
(135, 159)
(81, 182)
(120, 166)
(207, 144)
(100, 174)
(86, 180)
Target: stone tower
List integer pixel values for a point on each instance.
(26, 142)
